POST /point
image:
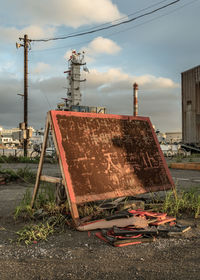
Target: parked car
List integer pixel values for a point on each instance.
(50, 152)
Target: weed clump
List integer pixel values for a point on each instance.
(45, 201)
(185, 202)
(24, 209)
(37, 232)
(22, 174)
(53, 216)
(33, 233)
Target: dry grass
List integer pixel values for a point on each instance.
(179, 203)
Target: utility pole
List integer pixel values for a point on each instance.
(25, 44)
(135, 100)
(26, 93)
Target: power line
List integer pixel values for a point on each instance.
(107, 27)
(85, 42)
(63, 47)
(116, 20)
(117, 32)
(148, 21)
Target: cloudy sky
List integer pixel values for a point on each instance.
(151, 51)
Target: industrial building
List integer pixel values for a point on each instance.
(173, 137)
(191, 106)
(12, 137)
(73, 100)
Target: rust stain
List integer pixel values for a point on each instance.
(110, 157)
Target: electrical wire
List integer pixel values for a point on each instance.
(118, 19)
(85, 42)
(121, 31)
(107, 27)
(63, 47)
(148, 21)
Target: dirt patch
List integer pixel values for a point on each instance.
(75, 255)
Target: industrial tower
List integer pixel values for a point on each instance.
(75, 62)
(73, 100)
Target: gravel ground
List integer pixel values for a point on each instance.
(75, 255)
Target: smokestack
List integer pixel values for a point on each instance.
(135, 100)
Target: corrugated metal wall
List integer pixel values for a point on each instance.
(191, 106)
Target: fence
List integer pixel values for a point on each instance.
(13, 152)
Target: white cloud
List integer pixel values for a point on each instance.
(159, 97)
(72, 13)
(102, 45)
(35, 31)
(41, 68)
(7, 66)
(115, 78)
(96, 47)
(12, 34)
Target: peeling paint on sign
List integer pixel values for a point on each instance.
(107, 156)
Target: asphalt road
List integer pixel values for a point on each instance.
(182, 178)
(11, 194)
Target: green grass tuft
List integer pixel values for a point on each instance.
(35, 233)
(23, 174)
(45, 199)
(24, 209)
(177, 204)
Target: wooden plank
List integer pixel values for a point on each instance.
(72, 204)
(39, 172)
(50, 179)
(138, 222)
(186, 166)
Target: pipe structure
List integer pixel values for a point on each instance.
(135, 100)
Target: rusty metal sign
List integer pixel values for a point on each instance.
(108, 156)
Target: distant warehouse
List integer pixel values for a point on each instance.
(191, 106)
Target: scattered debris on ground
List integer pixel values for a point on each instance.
(64, 245)
(119, 225)
(157, 224)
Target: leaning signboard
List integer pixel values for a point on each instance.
(104, 156)
(107, 156)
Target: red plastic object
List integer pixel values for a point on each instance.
(148, 214)
(163, 221)
(127, 244)
(100, 236)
